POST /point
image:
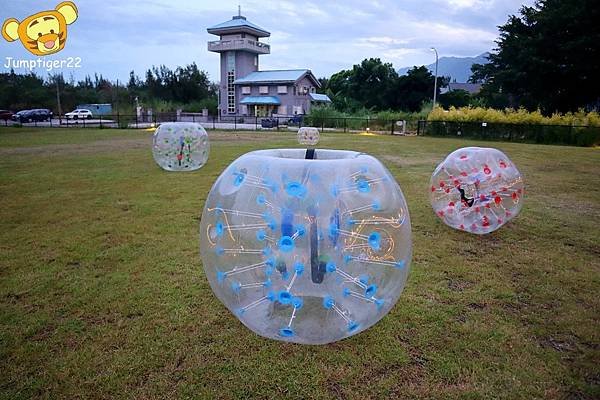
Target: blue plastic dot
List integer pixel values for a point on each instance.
(376, 206)
(299, 268)
(221, 276)
(346, 292)
(330, 266)
(300, 230)
(375, 241)
(236, 287)
(267, 251)
(351, 222)
(352, 326)
(400, 264)
(371, 290)
(297, 302)
(364, 279)
(261, 235)
(219, 228)
(260, 199)
(219, 250)
(286, 332)
(269, 271)
(284, 297)
(240, 311)
(379, 303)
(295, 189)
(333, 229)
(363, 186)
(328, 302)
(267, 283)
(239, 178)
(271, 296)
(270, 262)
(347, 258)
(286, 244)
(285, 275)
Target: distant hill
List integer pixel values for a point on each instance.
(458, 68)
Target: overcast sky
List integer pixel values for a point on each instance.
(112, 37)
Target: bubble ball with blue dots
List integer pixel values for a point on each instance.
(180, 146)
(306, 246)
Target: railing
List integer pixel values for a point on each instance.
(236, 122)
(237, 44)
(573, 135)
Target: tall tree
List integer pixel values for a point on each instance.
(547, 57)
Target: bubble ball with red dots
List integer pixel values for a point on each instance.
(476, 189)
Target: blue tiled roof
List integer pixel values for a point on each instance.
(320, 97)
(238, 22)
(264, 100)
(287, 75)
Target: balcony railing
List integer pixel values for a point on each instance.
(239, 44)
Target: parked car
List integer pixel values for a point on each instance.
(35, 115)
(17, 116)
(5, 115)
(80, 113)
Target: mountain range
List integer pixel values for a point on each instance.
(457, 68)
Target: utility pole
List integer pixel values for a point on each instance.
(435, 79)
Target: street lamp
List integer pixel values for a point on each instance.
(436, 74)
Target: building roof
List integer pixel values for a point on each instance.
(320, 97)
(238, 24)
(275, 76)
(263, 100)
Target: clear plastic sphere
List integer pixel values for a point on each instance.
(180, 146)
(476, 189)
(308, 136)
(306, 250)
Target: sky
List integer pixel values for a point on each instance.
(113, 37)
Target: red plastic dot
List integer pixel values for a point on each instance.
(463, 173)
(502, 164)
(441, 213)
(477, 209)
(463, 157)
(481, 197)
(447, 190)
(462, 227)
(433, 188)
(487, 170)
(498, 200)
(451, 204)
(442, 183)
(514, 195)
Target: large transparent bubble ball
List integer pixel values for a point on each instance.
(476, 189)
(180, 146)
(306, 250)
(308, 136)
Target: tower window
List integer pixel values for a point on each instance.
(230, 92)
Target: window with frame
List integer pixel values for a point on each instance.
(230, 92)
(246, 90)
(282, 89)
(263, 89)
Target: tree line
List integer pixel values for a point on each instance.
(162, 89)
(546, 58)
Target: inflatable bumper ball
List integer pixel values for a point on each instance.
(306, 250)
(308, 136)
(180, 146)
(476, 189)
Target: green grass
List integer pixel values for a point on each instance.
(102, 292)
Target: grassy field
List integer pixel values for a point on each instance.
(103, 295)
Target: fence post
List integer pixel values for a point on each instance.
(256, 122)
(119, 120)
(235, 122)
(100, 120)
(345, 124)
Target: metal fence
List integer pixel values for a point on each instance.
(235, 122)
(573, 135)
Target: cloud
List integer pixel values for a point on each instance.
(114, 37)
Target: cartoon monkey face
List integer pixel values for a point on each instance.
(42, 33)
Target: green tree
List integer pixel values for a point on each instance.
(547, 57)
(455, 98)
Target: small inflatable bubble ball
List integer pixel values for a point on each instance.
(180, 146)
(476, 189)
(308, 136)
(306, 246)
